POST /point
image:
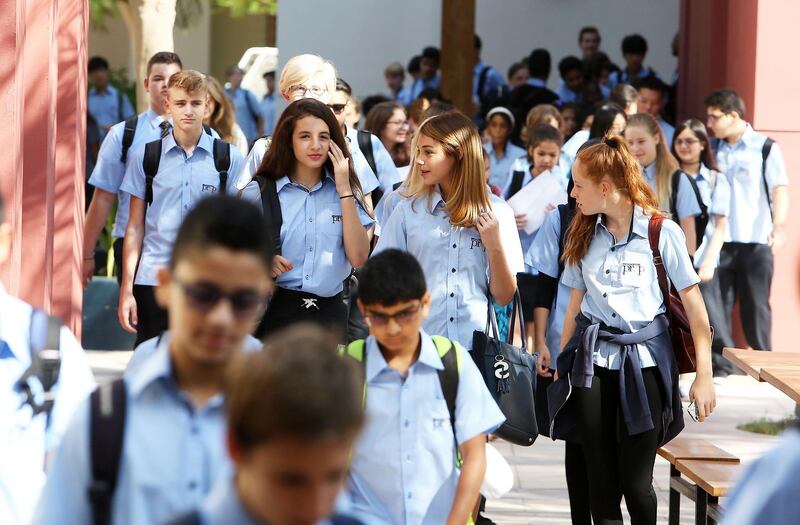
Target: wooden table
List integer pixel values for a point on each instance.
(787, 381)
(753, 361)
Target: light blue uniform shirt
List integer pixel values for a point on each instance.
(537, 82)
(570, 148)
(420, 85)
(312, 237)
(403, 468)
(172, 452)
(686, 204)
(248, 110)
(750, 220)
(387, 205)
(567, 95)
(454, 261)
(718, 203)
(493, 82)
(109, 171)
(105, 106)
(623, 77)
(667, 130)
(387, 174)
(767, 493)
(25, 439)
(179, 185)
(403, 96)
(542, 257)
(501, 166)
(268, 113)
(620, 281)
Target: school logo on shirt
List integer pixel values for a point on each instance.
(476, 243)
(209, 188)
(336, 218)
(632, 268)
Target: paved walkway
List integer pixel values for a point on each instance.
(539, 495)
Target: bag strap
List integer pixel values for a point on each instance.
(45, 351)
(564, 217)
(764, 155)
(222, 162)
(482, 81)
(271, 205)
(516, 183)
(365, 145)
(654, 236)
(127, 137)
(150, 163)
(106, 435)
(207, 130)
(119, 105)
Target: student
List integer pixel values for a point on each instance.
(222, 117)
(326, 226)
(107, 104)
(268, 103)
(647, 144)
(634, 51)
(569, 117)
(404, 468)
(352, 113)
(518, 74)
(608, 118)
(502, 153)
(597, 69)
(172, 451)
(626, 97)
(447, 209)
(616, 349)
(395, 76)
(248, 110)
(651, 101)
(290, 442)
(589, 41)
(571, 89)
(541, 114)
(428, 72)
(31, 427)
(759, 208)
(389, 122)
(187, 171)
(488, 85)
(413, 68)
(113, 158)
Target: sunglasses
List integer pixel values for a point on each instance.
(337, 108)
(203, 297)
(403, 317)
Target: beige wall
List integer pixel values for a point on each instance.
(231, 37)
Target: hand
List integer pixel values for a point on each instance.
(706, 272)
(88, 270)
(127, 313)
(543, 361)
(341, 169)
(703, 395)
(522, 220)
(550, 207)
(280, 265)
(489, 230)
(776, 238)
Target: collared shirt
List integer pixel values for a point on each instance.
(248, 110)
(767, 492)
(749, 220)
(403, 96)
(500, 166)
(523, 164)
(542, 257)
(386, 206)
(624, 77)
(537, 82)
(109, 170)
(403, 468)
(181, 182)
(567, 95)
(387, 174)
(686, 203)
(420, 85)
(620, 280)
(454, 260)
(172, 452)
(312, 236)
(25, 439)
(493, 82)
(570, 148)
(667, 130)
(717, 200)
(268, 113)
(105, 106)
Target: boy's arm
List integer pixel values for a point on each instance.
(132, 249)
(473, 469)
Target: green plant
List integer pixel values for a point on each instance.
(769, 427)
(120, 79)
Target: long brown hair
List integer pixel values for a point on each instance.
(376, 122)
(223, 117)
(280, 160)
(609, 157)
(459, 139)
(666, 164)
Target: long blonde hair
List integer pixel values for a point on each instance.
(223, 118)
(666, 164)
(460, 140)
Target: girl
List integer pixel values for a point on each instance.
(608, 117)
(502, 153)
(464, 237)
(389, 122)
(326, 225)
(541, 114)
(692, 148)
(222, 117)
(646, 142)
(618, 379)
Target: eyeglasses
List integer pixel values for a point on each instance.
(711, 117)
(203, 297)
(686, 142)
(299, 91)
(337, 108)
(398, 123)
(403, 317)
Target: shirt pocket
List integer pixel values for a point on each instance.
(634, 270)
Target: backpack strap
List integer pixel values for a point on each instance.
(448, 379)
(222, 162)
(365, 145)
(127, 137)
(343, 520)
(45, 351)
(207, 130)
(119, 105)
(482, 81)
(106, 435)
(356, 351)
(654, 237)
(271, 206)
(764, 155)
(189, 518)
(516, 183)
(564, 217)
(150, 163)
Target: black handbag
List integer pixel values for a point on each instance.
(510, 375)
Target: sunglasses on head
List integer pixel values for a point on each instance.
(337, 108)
(203, 297)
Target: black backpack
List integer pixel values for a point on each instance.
(765, 149)
(365, 145)
(45, 349)
(130, 132)
(516, 184)
(701, 221)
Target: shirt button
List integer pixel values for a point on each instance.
(608, 271)
(613, 249)
(451, 319)
(311, 220)
(311, 248)
(407, 423)
(192, 485)
(454, 245)
(454, 270)
(605, 295)
(308, 277)
(613, 315)
(408, 457)
(452, 294)
(409, 495)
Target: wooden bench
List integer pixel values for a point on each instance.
(682, 449)
(712, 480)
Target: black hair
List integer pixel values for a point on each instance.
(341, 85)
(269, 74)
(97, 63)
(652, 82)
(227, 222)
(587, 29)
(516, 66)
(431, 94)
(539, 63)
(371, 101)
(391, 277)
(413, 64)
(568, 64)
(727, 100)
(604, 117)
(698, 129)
(595, 63)
(634, 45)
(431, 52)
(478, 43)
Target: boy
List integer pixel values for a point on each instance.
(267, 106)
(589, 41)
(289, 440)
(634, 50)
(651, 101)
(113, 158)
(395, 76)
(571, 70)
(171, 449)
(30, 428)
(189, 167)
(404, 467)
(756, 171)
(248, 110)
(428, 72)
(106, 103)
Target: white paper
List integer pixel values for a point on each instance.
(534, 198)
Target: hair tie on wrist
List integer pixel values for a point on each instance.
(346, 196)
